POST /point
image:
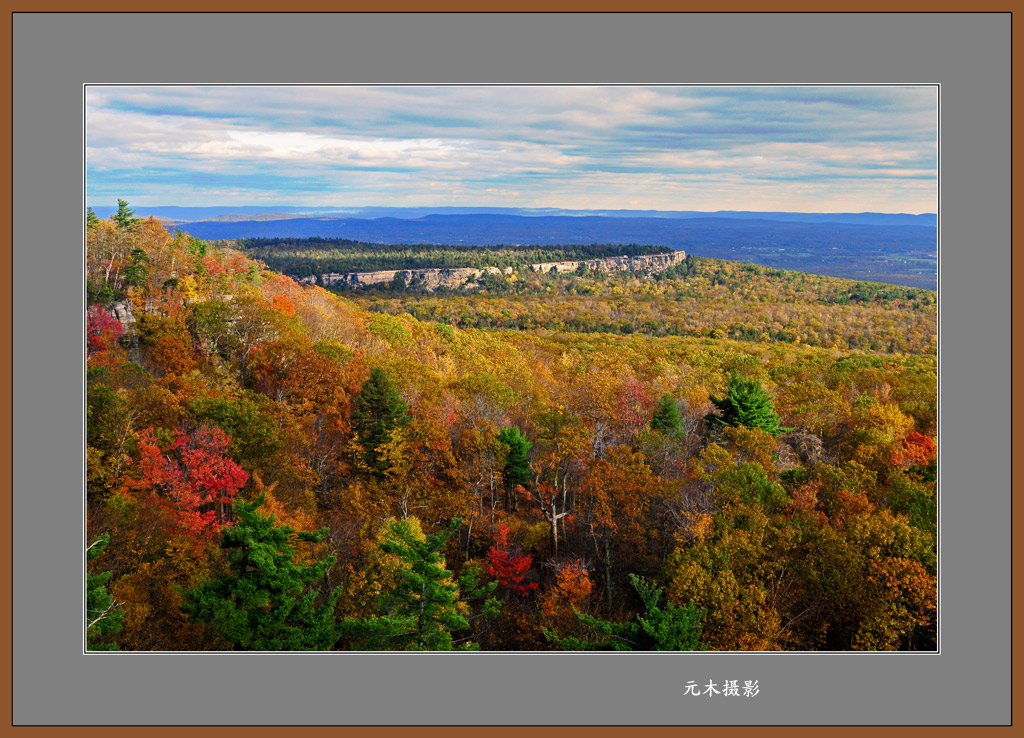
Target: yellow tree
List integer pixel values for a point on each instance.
(616, 498)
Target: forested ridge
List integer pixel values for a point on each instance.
(700, 297)
(271, 466)
(303, 257)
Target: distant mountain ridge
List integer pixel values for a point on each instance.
(550, 229)
(263, 213)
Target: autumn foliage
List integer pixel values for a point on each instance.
(103, 329)
(748, 458)
(508, 565)
(917, 450)
(191, 476)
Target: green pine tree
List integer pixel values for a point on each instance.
(378, 409)
(426, 605)
(123, 218)
(666, 418)
(137, 273)
(268, 602)
(91, 221)
(102, 615)
(671, 628)
(517, 467)
(746, 403)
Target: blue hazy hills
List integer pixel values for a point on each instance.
(237, 213)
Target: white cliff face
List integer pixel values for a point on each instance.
(432, 279)
(652, 263)
(123, 312)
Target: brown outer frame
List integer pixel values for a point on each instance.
(594, 6)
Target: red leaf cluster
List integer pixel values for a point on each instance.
(634, 404)
(103, 329)
(192, 476)
(918, 450)
(509, 565)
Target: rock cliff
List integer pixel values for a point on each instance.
(652, 263)
(432, 279)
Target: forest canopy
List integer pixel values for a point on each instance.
(547, 462)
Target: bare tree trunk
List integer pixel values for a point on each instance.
(122, 441)
(492, 502)
(568, 503)
(608, 569)
(106, 276)
(554, 528)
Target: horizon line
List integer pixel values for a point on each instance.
(518, 207)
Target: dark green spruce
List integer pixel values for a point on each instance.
(517, 467)
(378, 410)
(124, 217)
(746, 403)
(268, 602)
(422, 610)
(666, 418)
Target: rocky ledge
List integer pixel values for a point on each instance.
(432, 279)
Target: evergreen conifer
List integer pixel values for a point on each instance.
(124, 217)
(517, 467)
(425, 606)
(667, 418)
(746, 403)
(378, 409)
(267, 602)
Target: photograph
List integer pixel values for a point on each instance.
(511, 368)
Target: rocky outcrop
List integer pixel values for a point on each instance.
(429, 279)
(461, 278)
(122, 311)
(651, 263)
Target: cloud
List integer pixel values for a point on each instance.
(551, 146)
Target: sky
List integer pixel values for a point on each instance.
(801, 149)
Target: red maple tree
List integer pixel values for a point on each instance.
(509, 565)
(103, 329)
(192, 477)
